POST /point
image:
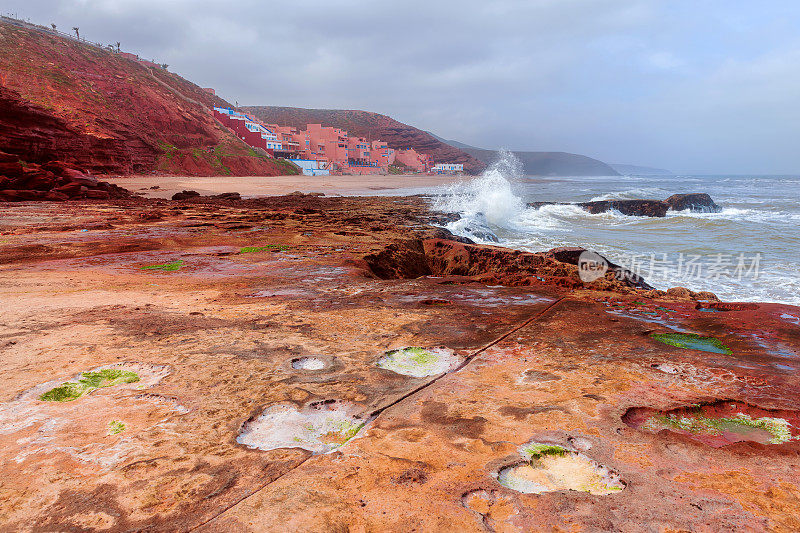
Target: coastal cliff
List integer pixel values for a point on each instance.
(109, 113)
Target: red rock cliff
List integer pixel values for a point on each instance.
(61, 99)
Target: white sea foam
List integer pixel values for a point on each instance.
(490, 195)
(640, 193)
(758, 216)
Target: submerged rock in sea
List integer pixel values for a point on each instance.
(635, 208)
(477, 227)
(698, 202)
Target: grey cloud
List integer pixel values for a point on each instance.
(692, 86)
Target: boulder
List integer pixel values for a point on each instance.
(185, 195)
(12, 169)
(40, 181)
(700, 202)
(97, 194)
(680, 293)
(70, 189)
(60, 167)
(77, 176)
(635, 208)
(56, 196)
(20, 196)
(572, 254)
(227, 196)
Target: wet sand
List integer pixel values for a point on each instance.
(253, 186)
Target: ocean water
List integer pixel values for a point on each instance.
(748, 251)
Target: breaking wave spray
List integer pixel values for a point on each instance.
(488, 200)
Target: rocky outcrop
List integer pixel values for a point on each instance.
(698, 202)
(54, 181)
(636, 208)
(371, 125)
(190, 195)
(184, 195)
(493, 265)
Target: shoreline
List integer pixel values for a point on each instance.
(260, 186)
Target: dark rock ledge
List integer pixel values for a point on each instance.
(697, 202)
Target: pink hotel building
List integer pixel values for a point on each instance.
(321, 149)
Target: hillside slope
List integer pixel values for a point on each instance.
(551, 163)
(544, 163)
(374, 126)
(66, 100)
(640, 170)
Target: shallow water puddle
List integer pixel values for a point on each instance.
(774, 348)
(720, 423)
(479, 297)
(791, 318)
(287, 292)
(308, 363)
(551, 468)
(419, 362)
(320, 427)
(693, 342)
(657, 315)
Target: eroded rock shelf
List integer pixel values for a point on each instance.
(319, 363)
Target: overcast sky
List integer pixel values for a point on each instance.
(702, 86)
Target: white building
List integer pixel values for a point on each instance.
(311, 167)
(447, 168)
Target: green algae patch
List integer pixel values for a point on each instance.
(719, 424)
(165, 267)
(693, 342)
(776, 429)
(88, 382)
(115, 427)
(537, 450)
(266, 248)
(418, 362)
(551, 468)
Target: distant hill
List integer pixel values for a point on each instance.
(551, 163)
(544, 163)
(640, 171)
(374, 126)
(65, 99)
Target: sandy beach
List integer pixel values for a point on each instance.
(252, 186)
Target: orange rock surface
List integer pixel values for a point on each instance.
(213, 303)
